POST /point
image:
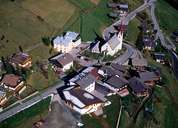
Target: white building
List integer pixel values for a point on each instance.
(66, 42)
(111, 47)
(82, 101)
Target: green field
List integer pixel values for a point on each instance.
(167, 16)
(25, 23)
(133, 30)
(27, 117)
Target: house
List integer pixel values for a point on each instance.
(92, 71)
(148, 43)
(66, 42)
(3, 97)
(123, 9)
(108, 71)
(21, 59)
(61, 62)
(113, 5)
(149, 78)
(87, 83)
(137, 87)
(119, 67)
(117, 84)
(139, 63)
(13, 83)
(81, 101)
(159, 57)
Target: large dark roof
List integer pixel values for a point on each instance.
(137, 85)
(61, 59)
(86, 81)
(117, 82)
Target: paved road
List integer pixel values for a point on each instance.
(24, 105)
(168, 45)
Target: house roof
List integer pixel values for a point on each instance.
(61, 59)
(110, 71)
(148, 42)
(117, 81)
(86, 81)
(123, 6)
(11, 80)
(20, 58)
(119, 67)
(148, 76)
(66, 39)
(159, 56)
(139, 62)
(80, 98)
(102, 89)
(137, 85)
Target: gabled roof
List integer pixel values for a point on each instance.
(116, 81)
(118, 67)
(148, 42)
(20, 58)
(159, 56)
(61, 59)
(137, 85)
(148, 76)
(11, 80)
(110, 71)
(80, 98)
(86, 81)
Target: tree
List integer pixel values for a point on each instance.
(20, 48)
(46, 41)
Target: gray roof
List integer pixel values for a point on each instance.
(86, 81)
(110, 71)
(119, 67)
(62, 59)
(148, 76)
(117, 82)
(159, 56)
(137, 85)
(139, 62)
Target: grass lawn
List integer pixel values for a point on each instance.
(93, 18)
(165, 111)
(39, 82)
(90, 122)
(167, 16)
(21, 25)
(27, 117)
(133, 30)
(112, 111)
